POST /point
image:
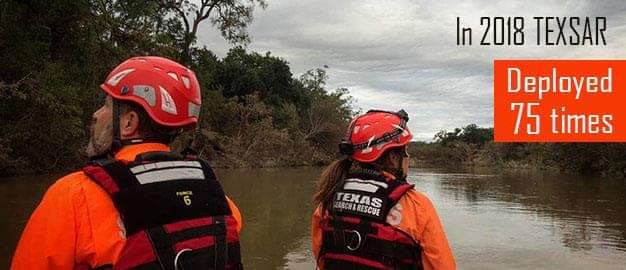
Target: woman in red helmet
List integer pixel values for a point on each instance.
(368, 216)
(137, 204)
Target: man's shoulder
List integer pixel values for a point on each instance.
(72, 178)
(73, 182)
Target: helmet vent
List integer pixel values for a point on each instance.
(186, 81)
(115, 79)
(173, 75)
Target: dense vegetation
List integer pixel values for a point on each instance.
(55, 54)
(473, 145)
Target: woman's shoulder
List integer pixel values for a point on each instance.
(415, 197)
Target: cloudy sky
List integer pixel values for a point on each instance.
(403, 54)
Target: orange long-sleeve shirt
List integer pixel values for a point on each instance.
(76, 223)
(415, 215)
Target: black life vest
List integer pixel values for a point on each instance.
(174, 210)
(356, 234)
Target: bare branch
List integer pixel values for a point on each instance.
(201, 16)
(185, 19)
(177, 6)
(23, 80)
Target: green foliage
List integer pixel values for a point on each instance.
(55, 54)
(42, 122)
(470, 134)
(245, 73)
(473, 145)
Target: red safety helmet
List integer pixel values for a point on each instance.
(373, 133)
(168, 91)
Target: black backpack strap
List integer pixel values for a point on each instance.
(162, 245)
(158, 156)
(112, 175)
(221, 246)
(396, 190)
(120, 174)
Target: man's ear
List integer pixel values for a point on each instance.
(129, 125)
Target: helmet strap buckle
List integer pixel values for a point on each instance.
(346, 148)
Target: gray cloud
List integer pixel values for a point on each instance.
(402, 54)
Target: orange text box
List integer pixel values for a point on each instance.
(560, 100)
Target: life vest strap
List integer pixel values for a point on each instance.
(221, 247)
(345, 262)
(206, 256)
(168, 239)
(163, 244)
(369, 245)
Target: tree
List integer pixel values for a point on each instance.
(447, 138)
(325, 119)
(231, 17)
(471, 134)
(474, 134)
(56, 53)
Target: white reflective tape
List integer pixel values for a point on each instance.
(146, 92)
(165, 164)
(361, 187)
(193, 110)
(170, 174)
(373, 182)
(167, 102)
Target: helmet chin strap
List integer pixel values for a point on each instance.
(116, 144)
(398, 172)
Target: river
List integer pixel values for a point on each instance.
(494, 219)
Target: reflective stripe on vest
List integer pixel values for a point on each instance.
(355, 235)
(175, 213)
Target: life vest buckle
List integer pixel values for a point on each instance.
(358, 242)
(176, 259)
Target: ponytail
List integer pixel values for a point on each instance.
(331, 177)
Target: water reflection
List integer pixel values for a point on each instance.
(529, 219)
(494, 219)
(587, 212)
(19, 197)
(276, 205)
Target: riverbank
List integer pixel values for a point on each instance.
(608, 160)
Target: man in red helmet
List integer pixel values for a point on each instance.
(137, 204)
(368, 216)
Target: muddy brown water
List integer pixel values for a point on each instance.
(494, 219)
